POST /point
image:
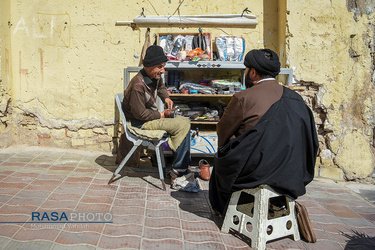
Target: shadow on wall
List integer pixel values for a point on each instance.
(359, 241)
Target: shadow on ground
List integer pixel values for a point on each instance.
(359, 241)
(146, 168)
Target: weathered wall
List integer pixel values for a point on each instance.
(62, 63)
(5, 65)
(66, 63)
(330, 44)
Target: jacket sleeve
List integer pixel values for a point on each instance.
(230, 121)
(138, 107)
(162, 91)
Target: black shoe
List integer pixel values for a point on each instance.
(176, 174)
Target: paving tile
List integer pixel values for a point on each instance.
(50, 210)
(101, 187)
(197, 216)
(84, 227)
(93, 207)
(36, 165)
(24, 209)
(162, 233)
(199, 226)
(82, 175)
(5, 156)
(128, 219)
(48, 188)
(369, 216)
(89, 238)
(5, 172)
(334, 227)
(324, 218)
(357, 222)
(15, 218)
(285, 243)
(32, 201)
(234, 240)
(21, 179)
(129, 202)
(162, 222)
(127, 242)
(204, 246)
(9, 191)
(59, 172)
(122, 230)
(162, 197)
(346, 214)
(161, 244)
(61, 204)
(75, 246)
(86, 170)
(44, 233)
(13, 164)
(162, 205)
(200, 236)
(46, 182)
(70, 190)
(339, 238)
(4, 241)
(51, 177)
(78, 179)
(158, 213)
(99, 193)
(127, 210)
(8, 230)
(122, 195)
(20, 245)
(92, 199)
(4, 198)
(133, 189)
(12, 185)
(102, 179)
(33, 193)
(64, 197)
(323, 244)
(321, 234)
(366, 231)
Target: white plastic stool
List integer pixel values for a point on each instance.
(248, 214)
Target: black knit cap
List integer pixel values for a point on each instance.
(265, 61)
(154, 55)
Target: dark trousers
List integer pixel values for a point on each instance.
(182, 158)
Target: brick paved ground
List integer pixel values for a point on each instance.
(37, 179)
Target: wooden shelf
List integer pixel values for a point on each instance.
(204, 122)
(199, 95)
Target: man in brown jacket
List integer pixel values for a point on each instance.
(266, 135)
(139, 106)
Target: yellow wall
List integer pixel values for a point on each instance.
(331, 45)
(62, 63)
(67, 60)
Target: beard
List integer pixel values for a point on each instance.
(248, 82)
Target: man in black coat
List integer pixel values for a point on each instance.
(266, 135)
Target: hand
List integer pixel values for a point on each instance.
(162, 115)
(169, 103)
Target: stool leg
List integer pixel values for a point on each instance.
(231, 211)
(291, 204)
(260, 215)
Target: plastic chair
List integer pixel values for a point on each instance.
(158, 144)
(248, 213)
